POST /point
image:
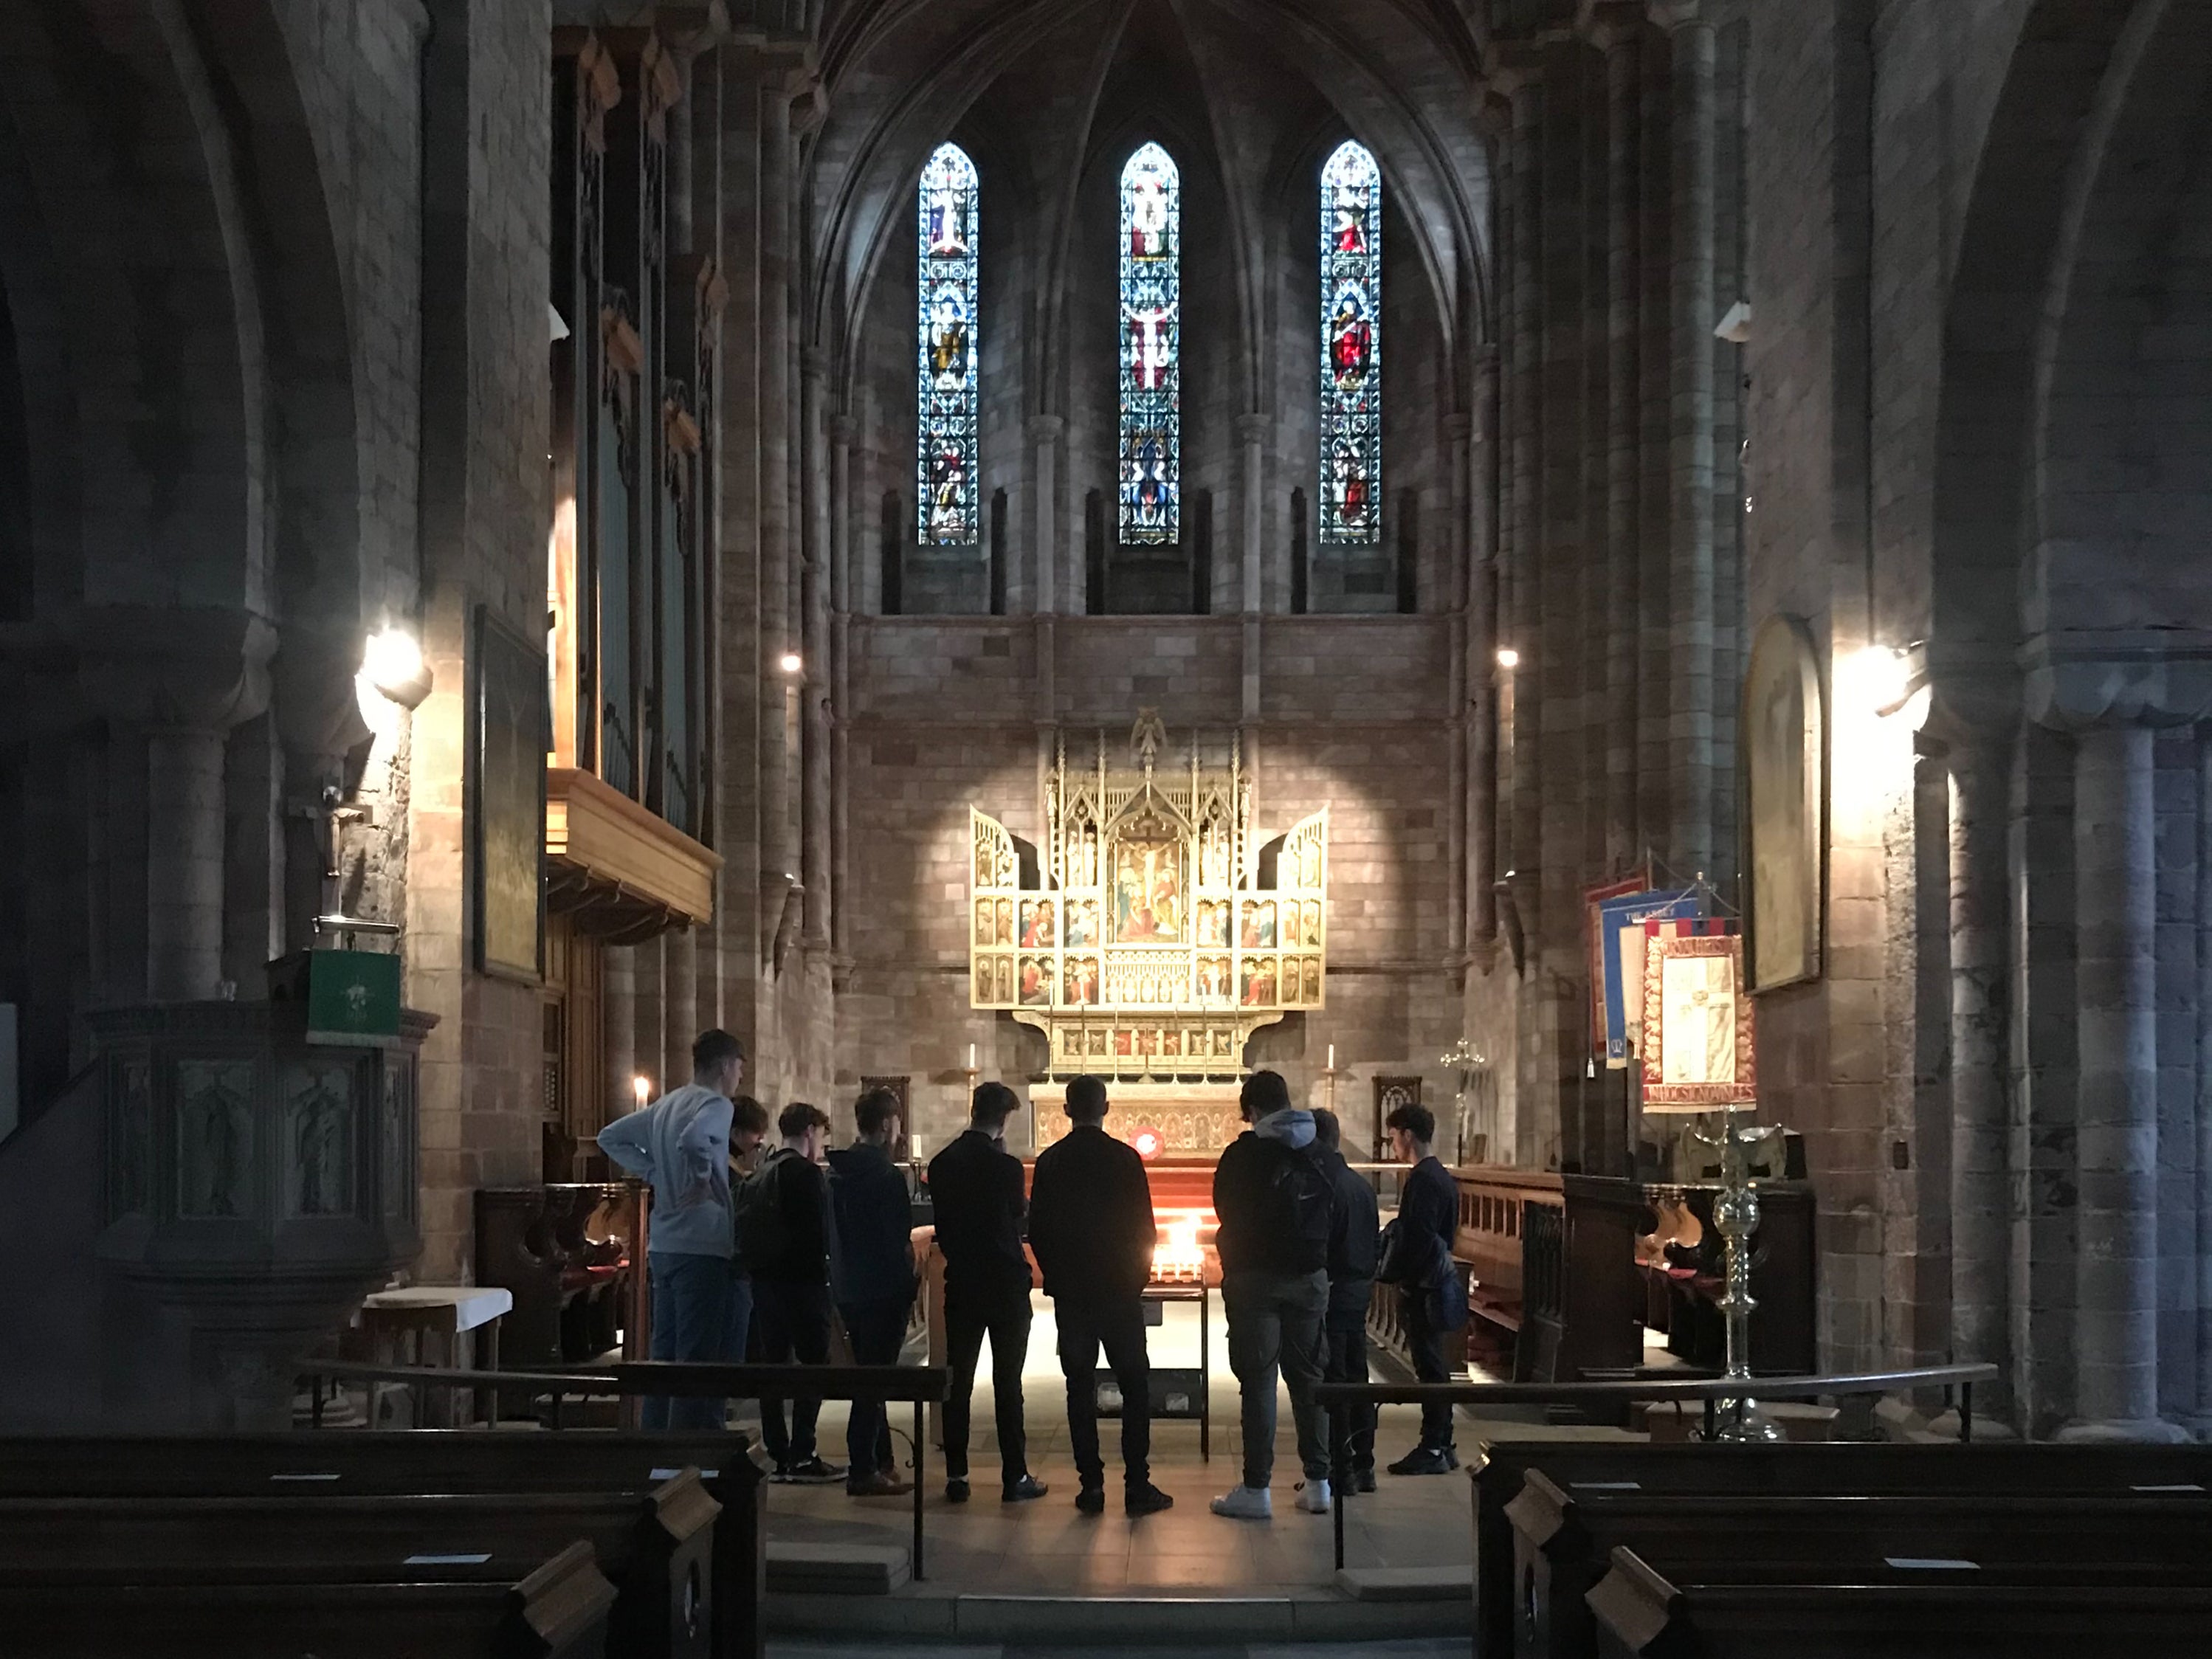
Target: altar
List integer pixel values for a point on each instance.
(1168, 1121)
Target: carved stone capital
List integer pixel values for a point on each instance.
(2119, 678)
(1672, 14)
(1513, 68)
(184, 667)
(1046, 428)
(1253, 428)
(1972, 711)
(1608, 23)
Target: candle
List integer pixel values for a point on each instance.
(971, 1056)
(1332, 1056)
(643, 1086)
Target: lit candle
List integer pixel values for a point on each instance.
(971, 1056)
(1332, 1056)
(643, 1086)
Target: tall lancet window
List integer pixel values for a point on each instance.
(1351, 347)
(1151, 296)
(947, 458)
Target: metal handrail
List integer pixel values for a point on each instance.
(922, 1385)
(1334, 1397)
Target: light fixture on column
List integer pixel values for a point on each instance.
(1508, 657)
(792, 664)
(392, 664)
(1895, 679)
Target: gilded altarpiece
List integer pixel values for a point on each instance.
(1155, 931)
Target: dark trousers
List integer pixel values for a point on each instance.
(1344, 1359)
(969, 1316)
(1118, 1326)
(878, 1332)
(792, 1321)
(1425, 1343)
(692, 1297)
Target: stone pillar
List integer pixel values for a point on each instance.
(1481, 682)
(679, 1000)
(1459, 810)
(1981, 1193)
(2203, 1421)
(649, 1036)
(617, 1030)
(1518, 605)
(2116, 868)
(1690, 632)
(1615, 30)
(778, 868)
(843, 431)
(1252, 432)
(1050, 592)
(814, 692)
(184, 865)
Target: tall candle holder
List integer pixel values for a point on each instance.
(1735, 1218)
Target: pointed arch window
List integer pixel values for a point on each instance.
(1151, 484)
(947, 460)
(1351, 347)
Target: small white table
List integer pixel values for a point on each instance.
(407, 1317)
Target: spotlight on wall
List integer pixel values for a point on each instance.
(393, 662)
(1893, 679)
(792, 663)
(1508, 657)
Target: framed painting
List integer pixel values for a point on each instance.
(507, 731)
(1782, 728)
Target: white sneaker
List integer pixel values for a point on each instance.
(1313, 1497)
(1245, 1504)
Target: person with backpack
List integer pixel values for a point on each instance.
(1274, 1201)
(976, 1187)
(680, 1146)
(1355, 1228)
(783, 1230)
(871, 1277)
(1416, 1258)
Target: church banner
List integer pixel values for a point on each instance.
(1621, 943)
(1699, 1051)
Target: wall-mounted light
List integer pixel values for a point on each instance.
(1893, 679)
(1508, 657)
(392, 664)
(792, 664)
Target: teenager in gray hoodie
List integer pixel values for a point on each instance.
(1271, 1197)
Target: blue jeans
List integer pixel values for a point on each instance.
(691, 1310)
(1275, 1323)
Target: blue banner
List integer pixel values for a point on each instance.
(1620, 918)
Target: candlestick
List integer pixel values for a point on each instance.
(641, 1087)
(1332, 1056)
(971, 1056)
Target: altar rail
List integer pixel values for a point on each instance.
(1335, 1398)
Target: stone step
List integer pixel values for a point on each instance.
(1407, 1584)
(918, 1613)
(837, 1570)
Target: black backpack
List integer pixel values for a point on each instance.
(1299, 1205)
(756, 1209)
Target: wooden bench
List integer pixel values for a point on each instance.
(558, 1610)
(1563, 1543)
(2090, 1612)
(1866, 1469)
(430, 1461)
(657, 1550)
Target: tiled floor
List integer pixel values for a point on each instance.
(1045, 1547)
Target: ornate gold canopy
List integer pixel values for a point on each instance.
(1152, 935)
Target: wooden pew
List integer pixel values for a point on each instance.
(430, 1461)
(2086, 1613)
(557, 1610)
(1809, 1468)
(657, 1550)
(1562, 1544)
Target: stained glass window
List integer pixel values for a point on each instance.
(1151, 245)
(1350, 346)
(947, 460)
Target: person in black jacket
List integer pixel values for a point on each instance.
(1273, 1202)
(1091, 1227)
(1355, 1227)
(791, 1285)
(1428, 1281)
(871, 1277)
(975, 1185)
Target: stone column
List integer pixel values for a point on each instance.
(2202, 1423)
(1616, 30)
(2115, 869)
(778, 868)
(649, 1040)
(1466, 712)
(617, 1031)
(184, 865)
(1521, 81)
(843, 431)
(1981, 1195)
(1690, 631)
(1252, 432)
(1481, 681)
(679, 1000)
(1050, 594)
(814, 693)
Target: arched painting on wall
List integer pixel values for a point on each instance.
(1782, 732)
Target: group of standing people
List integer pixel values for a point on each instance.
(749, 1254)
